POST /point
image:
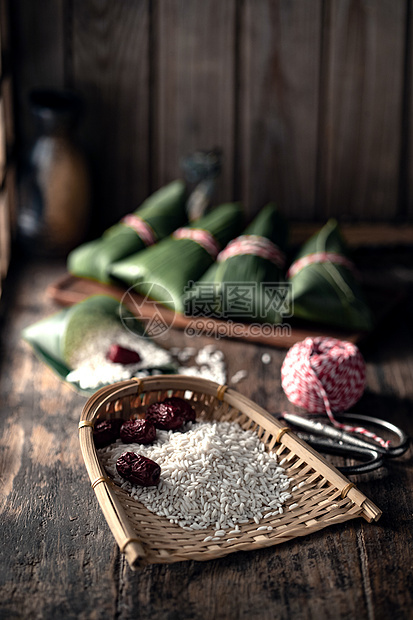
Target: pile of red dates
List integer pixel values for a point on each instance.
(170, 414)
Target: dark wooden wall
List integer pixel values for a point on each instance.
(309, 99)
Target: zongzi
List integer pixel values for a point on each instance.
(156, 218)
(246, 281)
(163, 272)
(324, 283)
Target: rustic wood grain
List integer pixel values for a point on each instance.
(194, 91)
(279, 75)
(38, 47)
(59, 558)
(5, 240)
(361, 106)
(46, 494)
(111, 70)
(359, 234)
(310, 101)
(406, 163)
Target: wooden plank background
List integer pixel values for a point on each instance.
(310, 101)
(360, 150)
(109, 66)
(280, 74)
(194, 85)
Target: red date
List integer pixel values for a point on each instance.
(138, 469)
(106, 432)
(165, 417)
(122, 355)
(183, 406)
(138, 431)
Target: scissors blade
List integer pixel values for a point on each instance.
(326, 430)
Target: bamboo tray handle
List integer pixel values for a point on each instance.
(114, 514)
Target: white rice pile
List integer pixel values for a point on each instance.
(214, 474)
(92, 369)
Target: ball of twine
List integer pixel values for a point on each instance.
(324, 375)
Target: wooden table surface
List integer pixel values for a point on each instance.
(59, 559)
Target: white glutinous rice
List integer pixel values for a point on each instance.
(213, 474)
(185, 354)
(210, 364)
(239, 376)
(92, 369)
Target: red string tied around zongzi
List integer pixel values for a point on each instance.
(142, 228)
(255, 245)
(320, 258)
(203, 237)
(324, 375)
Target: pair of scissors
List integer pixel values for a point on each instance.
(335, 441)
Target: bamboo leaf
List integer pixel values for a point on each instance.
(56, 339)
(249, 272)
(329, 292)
(163, 212)
(172, 263)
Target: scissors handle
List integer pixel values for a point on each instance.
(391, 451)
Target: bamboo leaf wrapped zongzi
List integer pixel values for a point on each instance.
(245, 281)
(181, 258)
(156, 218)
(324, 282)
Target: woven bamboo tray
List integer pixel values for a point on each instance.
(325, 498)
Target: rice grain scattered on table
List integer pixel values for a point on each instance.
(213, 474)
(209, 364)
(239, 376)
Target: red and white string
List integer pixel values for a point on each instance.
(319, 257)
(323, 375)
(203, 237)
(141, 227)
(255, 245)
